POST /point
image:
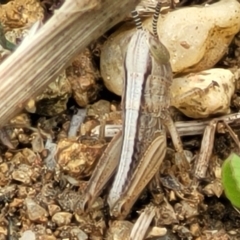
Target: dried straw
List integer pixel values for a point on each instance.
(33, 66)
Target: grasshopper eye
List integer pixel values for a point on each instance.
(158, 50)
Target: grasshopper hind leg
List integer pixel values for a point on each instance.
(177, 142)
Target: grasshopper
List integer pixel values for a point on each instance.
(137, 151)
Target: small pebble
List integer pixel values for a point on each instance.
(62, 218)
(219, 85)
(35, 212)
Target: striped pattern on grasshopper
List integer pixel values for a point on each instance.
(146, 95)
(139, 150)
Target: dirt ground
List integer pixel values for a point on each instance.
(44, 169)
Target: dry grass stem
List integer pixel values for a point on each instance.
(33, 66)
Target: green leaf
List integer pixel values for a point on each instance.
(231, 179)
(4, 42)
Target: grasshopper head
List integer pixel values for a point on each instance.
(157, 49)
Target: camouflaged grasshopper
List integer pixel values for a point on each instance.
(137, 152)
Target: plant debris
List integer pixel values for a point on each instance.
(48, 152)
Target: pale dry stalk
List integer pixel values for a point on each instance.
(33, 66)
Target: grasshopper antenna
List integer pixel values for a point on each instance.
(155, 18)
(137, 20)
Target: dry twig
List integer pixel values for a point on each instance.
(33, 66)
